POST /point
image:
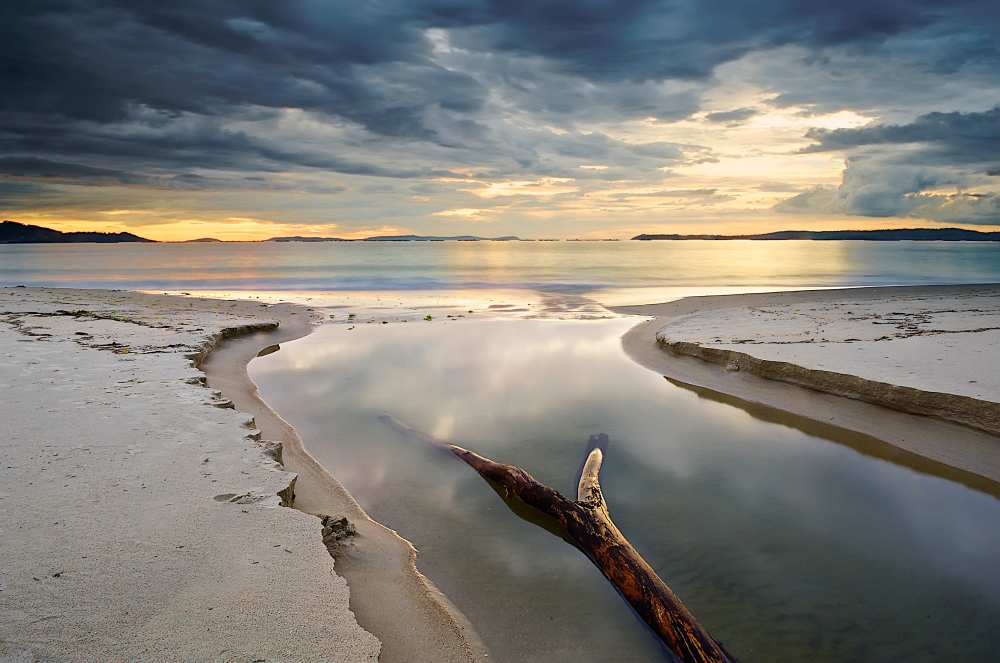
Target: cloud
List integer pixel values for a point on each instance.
(669, 193)
(27, 166)
(377, 65)
(652, 40)
(949, 58)
(735, 116)
(900, 169)
(325, 99)
(973, 208)
(955, 137)
(544, 187)
(468, 213)
(97, 60)
(891, 187)
(967, 208)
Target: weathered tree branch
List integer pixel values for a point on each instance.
(586, 524)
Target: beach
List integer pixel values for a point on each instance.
(155, 506)
(145, 517)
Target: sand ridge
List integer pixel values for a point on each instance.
(936, 337)
(947, 342)
(389, 595)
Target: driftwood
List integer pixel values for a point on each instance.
(586, 524)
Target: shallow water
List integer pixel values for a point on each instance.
(790, 543)
(619, 272)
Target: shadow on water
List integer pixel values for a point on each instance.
(860, 442)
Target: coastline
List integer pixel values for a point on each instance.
(821, 396)
(389, 595)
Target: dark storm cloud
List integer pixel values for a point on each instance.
(735, 116)
(35, 167)
(16, 190)
(371, 61)
(656, 40)
(946, 137)
(196, 94)
(95, 61)
(169, 149)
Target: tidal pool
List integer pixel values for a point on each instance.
(788, 544)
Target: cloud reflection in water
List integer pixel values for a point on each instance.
(787, 545)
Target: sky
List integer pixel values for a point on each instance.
(584, 118)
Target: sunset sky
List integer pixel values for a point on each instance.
(589, 118)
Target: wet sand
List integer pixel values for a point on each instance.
(391, 598)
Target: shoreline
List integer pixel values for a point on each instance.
(755, 383)
(389, 595)
(971, 412)
(118, 457)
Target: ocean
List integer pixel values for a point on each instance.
(619, 272)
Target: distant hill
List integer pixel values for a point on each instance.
(299, 238)
(398, 238)
(434, 238)
(12, 232)
(893, 235)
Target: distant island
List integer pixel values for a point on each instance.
(893, 235)
(434, 238)
(300, 238)
(399, 238)
(12, 232)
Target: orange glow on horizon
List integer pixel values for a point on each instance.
(231, 229)
(183, 232)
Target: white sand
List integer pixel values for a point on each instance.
(936, 347)
(389, 595)
(947, 342)
(137, 519)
